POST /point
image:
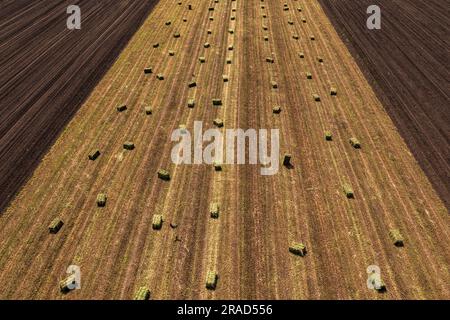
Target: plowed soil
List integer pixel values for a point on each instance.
(116, 247)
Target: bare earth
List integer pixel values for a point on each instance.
(116, 247)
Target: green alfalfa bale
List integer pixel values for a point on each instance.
(333, 91)
(328, 136)
(191, 103)
(143, 293)
(68, 284)
(214, 210)
(121, 108)
(287, 160)
(348, 191)
(309, 75)
(276, 110)
(192, 84)
(157, 222)
(202, 59)
(163, 174)
(94, 154)
(298, 249)
(355, 143)
(101, 200)
(316, 97)
(160, 76)
(396, 237)
(55, 225)
(274, 84)
(128, 145)
(148, 110)
(211, 280)
(148, 70)
(218, 122)
(217, 102)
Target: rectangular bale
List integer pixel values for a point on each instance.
(68, 283)
(276, 110)
(298, 249)
(396, 237)
(348, 191)
(192, 84)
(217, 166)
(121, 108)
(163, 174)
(55, 225)
(274, 84)
(217, 102)
(101, 200)
(148, 110)
(316, 97)
(94, 154)
(128, 145)
(328, 136)
(191, 103)
(214, 210)
(355, 143)
(225, 78)
(143, 293)
(148, 70)
(157, 222)
(333, 91)
(160, 76)
(211, 280)
(309, 75)
(287, 160)
(218, 123)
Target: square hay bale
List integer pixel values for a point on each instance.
(191, 103)
(202, 59)
(94, 154)
(217, 166)
(101, 200)
(148, 110)
(189, 6)
(328, 136)
(128, 145)
(295, 36)
(304, 20)
(290, 22)
(270, 60)
(274, 84)
(218, 122)
(68, 283)
(276, 110)
(316, 97)
(264, 16)
(233, 18)
(228, 61)
(225, 78)
(396, 237)
(230, 47)
(143, 293)
(207, 45)
(163, 174)
(231, 31)
(320, 59)
(265, 28)
(355, 143)
(176, 35)
(298, 249)
(156, 45)
(168, 23)
(348, 191)
(333, 91)
(211, 9)
(171, 53)
(184, 19)
(211, 280)
(299, 9)
(55, 225)
(302, 55)
(287, 160)
(157, 222)
(309, 75)
(160, 76)
(266, 38)
(313, 38)
(192, 84)
(148, 70)
(211, 18)
(209, 31)
(214, 210)
(217, 102)
(121, 108)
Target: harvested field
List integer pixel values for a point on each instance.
(47, 71)
(293, 235)
(407, 64)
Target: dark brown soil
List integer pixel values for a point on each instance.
(47, 71)
(407, 64)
